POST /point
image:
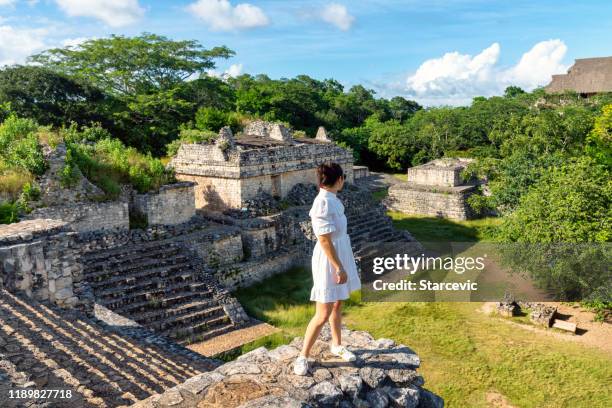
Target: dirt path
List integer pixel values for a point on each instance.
(590, 333)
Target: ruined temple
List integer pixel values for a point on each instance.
(264, 158)
(92, 304)
(434, 189)
(588, 76)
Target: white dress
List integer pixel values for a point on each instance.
(327, 215)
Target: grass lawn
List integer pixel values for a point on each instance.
(465, 353)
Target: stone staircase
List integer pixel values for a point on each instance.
(373, 234)
(159, 285)
(45, 347)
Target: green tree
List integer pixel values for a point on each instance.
(557, 227)
(599, 141)
(52, 98)
(133, 65)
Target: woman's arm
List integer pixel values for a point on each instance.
(330, 251)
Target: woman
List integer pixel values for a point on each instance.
(334, 271)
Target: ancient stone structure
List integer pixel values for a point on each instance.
(166, 285)
(360, 172)
(172, 204)
(40, 259)
(588, 76)
(53, 193)
(87, 216)
(265, 158)
(103, 360)
(384, 375)
(434, 189)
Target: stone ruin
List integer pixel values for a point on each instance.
(434, 189)
(90, 305)
(265, 158)
(384, 375)
(540, 314)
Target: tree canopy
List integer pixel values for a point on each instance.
(133, 65)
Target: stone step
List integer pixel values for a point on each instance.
(112, 263)
(181, 308)
(209, 316)
(161, 271)
(134, 269)
(144, 288)
(129, 308)
(142, 250)
(207, 334)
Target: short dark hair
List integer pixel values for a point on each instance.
(328, 174)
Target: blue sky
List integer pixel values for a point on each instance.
(438, 52)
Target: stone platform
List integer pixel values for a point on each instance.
(385, 374)
(434, 189)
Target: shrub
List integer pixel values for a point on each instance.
(9, 213)
(19, 145)
(12, 181)
(109, 163)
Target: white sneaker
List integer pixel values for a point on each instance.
(343, 353)
(300, 367)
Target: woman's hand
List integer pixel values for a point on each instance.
(341, 276)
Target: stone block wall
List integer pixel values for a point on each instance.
(360, 171)
(244, 274)
(214, 193)
(87, 217)
(41, 259)
(440, 172)
(434, 176)
(172, 204)
(242, 173)
(259, 242)
(448, 202)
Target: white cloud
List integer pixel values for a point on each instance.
(337, 15)
(456, 78)
(17, 44)
(6, 2)
(115, 13)
(74, 42)
(233, 71)
(220, 15)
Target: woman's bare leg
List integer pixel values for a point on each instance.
(335, 323)
(323, 310)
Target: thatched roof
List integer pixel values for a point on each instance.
(587, 75)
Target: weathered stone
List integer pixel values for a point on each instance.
(258, 355)
(194, 389)
(321, 374)
(372, 376)
(325, 394)
(428, 399)
(238, 367)
(402, 376)
(170, 399)
(351, 385)
(300, 381)
(284, 352)
(377, 398)
(273, 401)
(384, 343)
(404, 397)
